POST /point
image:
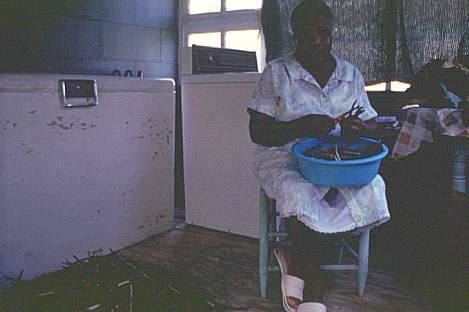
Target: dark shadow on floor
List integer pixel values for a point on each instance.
(425, 243)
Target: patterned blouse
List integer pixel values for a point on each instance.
(287, 91)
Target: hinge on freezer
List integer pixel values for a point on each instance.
(79, 93)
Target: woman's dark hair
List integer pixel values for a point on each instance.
(305, 12)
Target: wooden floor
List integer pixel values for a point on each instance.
(225, 267)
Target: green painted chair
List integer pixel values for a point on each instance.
(269, 237)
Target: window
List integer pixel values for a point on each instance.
(232, 5)
(232, 24)
(204, 6)
(211, 39)
(210, 6)
(249, 40)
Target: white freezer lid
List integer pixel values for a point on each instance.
(39, 82)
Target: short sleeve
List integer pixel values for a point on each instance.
(264, 99)
(363, 100)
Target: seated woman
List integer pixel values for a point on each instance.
(305, 94)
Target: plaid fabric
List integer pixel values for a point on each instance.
(451, 123)
(420, 125)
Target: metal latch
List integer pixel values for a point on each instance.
(79, 93)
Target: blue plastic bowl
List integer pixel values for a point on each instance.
(342, 173)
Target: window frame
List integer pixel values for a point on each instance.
(222, 21)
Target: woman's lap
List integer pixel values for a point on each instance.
(277, 173)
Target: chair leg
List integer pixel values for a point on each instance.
(363, 261)
(272, 228)
(263, 243)
(340, 257)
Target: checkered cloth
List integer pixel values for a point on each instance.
(422, 123)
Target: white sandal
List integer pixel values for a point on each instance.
(292, 286)
(311, 307)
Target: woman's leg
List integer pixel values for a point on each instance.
(304, 258)
(276, 170)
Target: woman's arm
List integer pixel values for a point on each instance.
(266, 131)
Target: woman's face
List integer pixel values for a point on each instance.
(317, 37)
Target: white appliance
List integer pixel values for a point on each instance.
(220, 188)
(82, 179)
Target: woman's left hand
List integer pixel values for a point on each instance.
(350, 124)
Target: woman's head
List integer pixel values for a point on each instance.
(311, 24)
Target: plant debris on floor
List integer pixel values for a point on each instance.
(104, 284)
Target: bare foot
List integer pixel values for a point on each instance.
(292, 302)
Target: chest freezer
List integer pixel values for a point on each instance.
(76, 177)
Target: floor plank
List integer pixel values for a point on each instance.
(225, 267)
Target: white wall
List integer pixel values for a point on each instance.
(89, 36)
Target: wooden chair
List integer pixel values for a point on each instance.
(269, 238)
